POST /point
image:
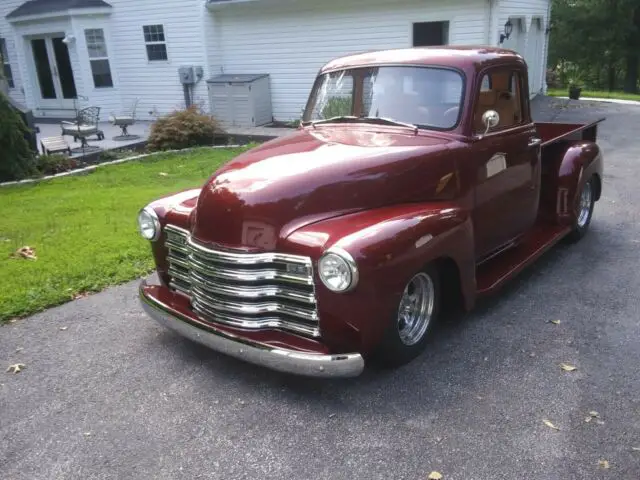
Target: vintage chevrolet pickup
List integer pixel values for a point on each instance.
(417, 180)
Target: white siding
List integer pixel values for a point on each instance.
(528, 11)
(291, 41)
(156, 83)
(108, 99)
(6, 32)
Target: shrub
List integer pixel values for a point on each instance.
(337, 107)
(183, 129)
(56, 163)
(16, 158)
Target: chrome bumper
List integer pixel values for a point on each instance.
(289, 361)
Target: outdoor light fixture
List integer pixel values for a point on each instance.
(508, 28)
(68, 39)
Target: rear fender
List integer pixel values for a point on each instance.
(580, 162)
(389, 246)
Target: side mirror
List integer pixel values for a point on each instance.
(490, 119)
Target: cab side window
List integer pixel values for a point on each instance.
(500, 90)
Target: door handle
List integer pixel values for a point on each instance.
(534, 142)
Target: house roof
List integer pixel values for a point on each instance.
(38, 7)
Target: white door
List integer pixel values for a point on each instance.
(55, 85)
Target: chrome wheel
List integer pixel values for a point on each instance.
(416, 309)
(584, 208)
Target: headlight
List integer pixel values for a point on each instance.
(148, 224)
(338, 270)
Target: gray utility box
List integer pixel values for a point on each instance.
(242, 100)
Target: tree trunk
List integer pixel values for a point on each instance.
(611, 77)
(631, 76)
(633, 57)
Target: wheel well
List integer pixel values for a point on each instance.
(450, 285)
(598, 185)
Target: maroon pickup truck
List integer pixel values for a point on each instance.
(417, 180)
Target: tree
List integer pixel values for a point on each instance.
(600, 39)
(16, 158)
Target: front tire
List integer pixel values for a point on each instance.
(417, 311)
(584, 211)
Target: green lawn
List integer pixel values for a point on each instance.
(564, 92)
(84, 229)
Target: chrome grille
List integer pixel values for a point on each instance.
(246, 290)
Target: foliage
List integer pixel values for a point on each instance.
(562, 92)
(337, 107)
(183, 129)
(16, 158)
(56, 163)
(83, 228)
(595, 43)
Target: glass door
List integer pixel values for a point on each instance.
(56, 85)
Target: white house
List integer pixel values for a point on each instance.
(111, 52)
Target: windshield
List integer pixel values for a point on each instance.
(429, 97)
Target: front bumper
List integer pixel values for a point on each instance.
(283, 360)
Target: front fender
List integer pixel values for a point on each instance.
(390, 245)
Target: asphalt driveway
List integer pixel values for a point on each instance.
(106, 393)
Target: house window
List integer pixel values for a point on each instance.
(155, 42)
(427, 34)
(8, 74)
(98, 58)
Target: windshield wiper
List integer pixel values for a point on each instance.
(354, 119)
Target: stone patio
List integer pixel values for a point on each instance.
(110, 131)
(142, 128)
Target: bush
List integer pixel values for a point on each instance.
(183, 129)
(337, 107)
(17, 161)
(56, 163)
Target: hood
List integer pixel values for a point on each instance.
(265, 194)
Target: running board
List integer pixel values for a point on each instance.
(492, 274)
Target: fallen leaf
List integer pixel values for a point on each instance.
(594, 414)
(550, 425)
(19, 349)
(635, 449)
(87, 434)
(25, 252)
(567, 368)
(604, 464)
(63, 328)
(555, 322)
(434, 476)
(600, 422)
(587, 419)
(16, 368)
(163, 174)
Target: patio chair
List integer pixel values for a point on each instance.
(124, 120)
(86, 124)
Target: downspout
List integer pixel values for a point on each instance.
(545, 58)
(493, 8)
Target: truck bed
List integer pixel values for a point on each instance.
(552, 132)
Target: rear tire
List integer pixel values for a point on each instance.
(409, 329)
(584, 212)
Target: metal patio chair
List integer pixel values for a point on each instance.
(85, 125)
(124, 120)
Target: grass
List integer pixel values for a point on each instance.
(84, 229)
(564, 92)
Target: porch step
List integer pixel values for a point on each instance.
(494, 273)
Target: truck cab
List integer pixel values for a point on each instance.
(416, 181)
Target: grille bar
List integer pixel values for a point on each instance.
(245, 290)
